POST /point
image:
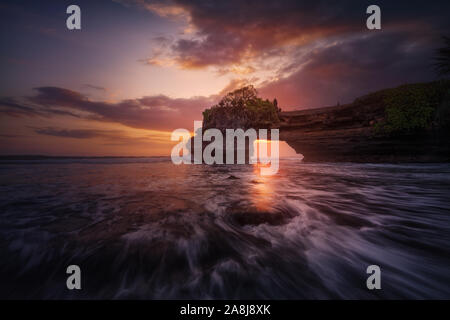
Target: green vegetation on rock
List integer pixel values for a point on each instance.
(242, 108)
(413, 107)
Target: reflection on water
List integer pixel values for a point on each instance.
(144, 228)
(262, 193)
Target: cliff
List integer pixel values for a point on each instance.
(409, 123)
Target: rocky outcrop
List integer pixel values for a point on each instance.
(354, 133)
(342, 140)
(410, 123)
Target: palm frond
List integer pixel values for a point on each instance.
(442, 58)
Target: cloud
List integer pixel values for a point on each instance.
(238, 32)
(110, 137)
(233, 32)
(307, 54)
(347, 69)
(9, 136)
(166, 10)
(157, 112)
(16, 108)
(77, 133)
(91, 86)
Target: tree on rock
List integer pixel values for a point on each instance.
(241, 108)
(239, 98)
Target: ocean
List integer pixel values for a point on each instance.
(143, 228)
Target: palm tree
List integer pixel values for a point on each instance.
(442, 58)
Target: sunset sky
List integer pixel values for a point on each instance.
(139, 69)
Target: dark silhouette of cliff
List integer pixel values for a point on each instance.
(410, 123)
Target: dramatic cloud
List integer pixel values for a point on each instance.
(151, 112)
(235, 31)
(299, 50)
(348, 69)
(15, 108)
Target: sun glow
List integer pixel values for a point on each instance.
(285, 151)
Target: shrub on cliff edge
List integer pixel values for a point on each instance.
(413, 107)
